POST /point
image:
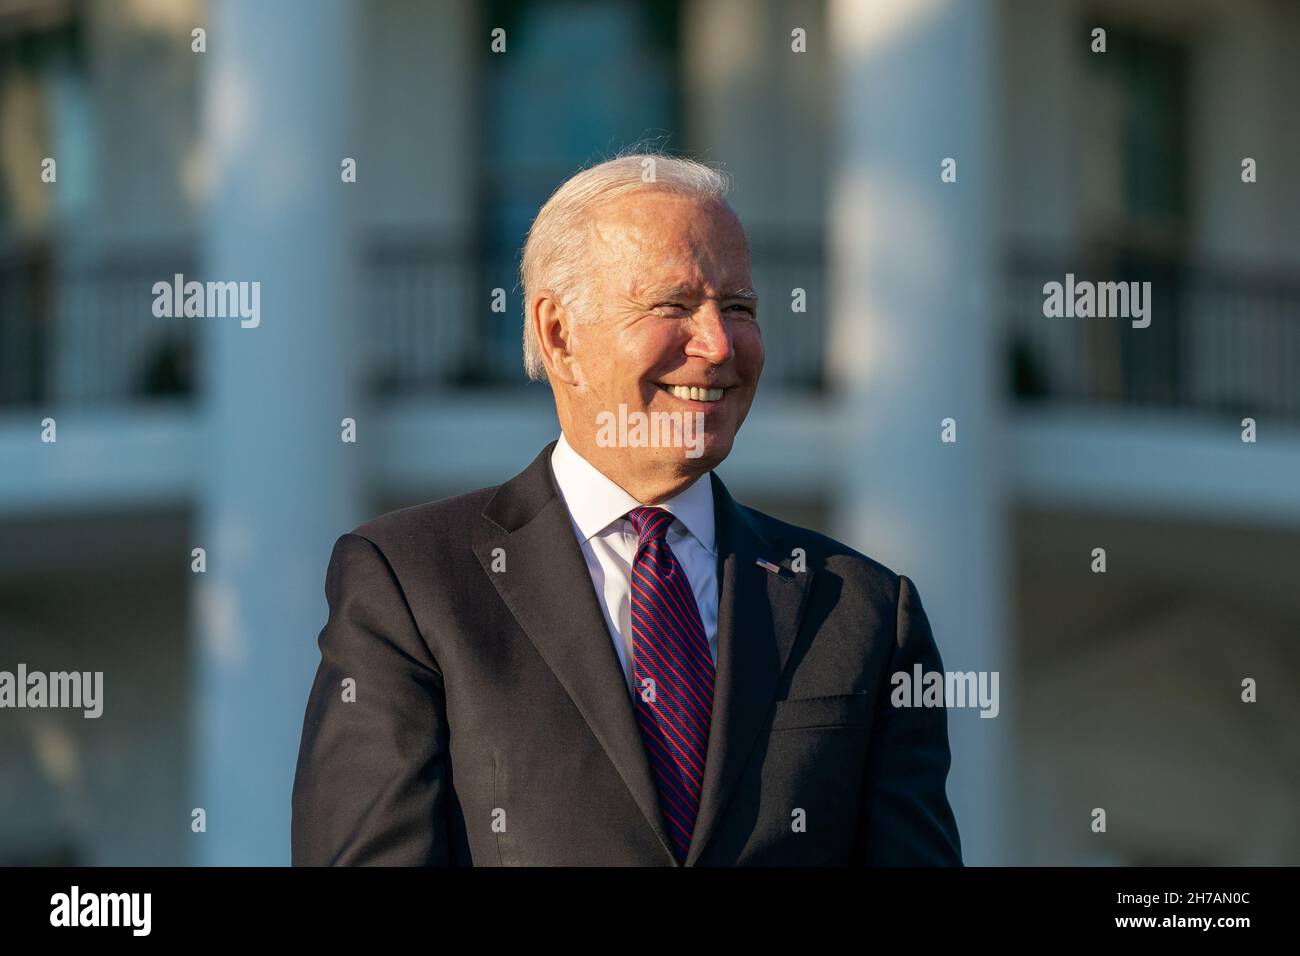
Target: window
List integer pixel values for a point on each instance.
(44, 112)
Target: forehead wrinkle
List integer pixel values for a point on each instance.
(680, 290)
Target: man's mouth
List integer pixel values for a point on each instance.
(693, 393)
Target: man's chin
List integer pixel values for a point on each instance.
(705, 452)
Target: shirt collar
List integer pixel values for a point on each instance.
(595, 502)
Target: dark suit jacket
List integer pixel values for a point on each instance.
(487, 695)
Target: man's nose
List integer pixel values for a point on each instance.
(710, 338)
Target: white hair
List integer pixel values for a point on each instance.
(555, 252)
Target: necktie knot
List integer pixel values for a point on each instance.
(650, 524)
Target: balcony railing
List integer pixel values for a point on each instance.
(26, 323)
(82, 331)
(1220, 341)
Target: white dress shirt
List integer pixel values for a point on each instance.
(598, 507)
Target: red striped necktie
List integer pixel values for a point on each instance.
(672, 675)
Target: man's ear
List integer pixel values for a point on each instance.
(553, 324)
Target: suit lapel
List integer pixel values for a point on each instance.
(548, 589)
(758, 617)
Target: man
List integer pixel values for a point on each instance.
(607, 660)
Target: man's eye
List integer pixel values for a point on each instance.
(670, 305)
(744, 308)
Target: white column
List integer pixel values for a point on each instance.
(279, 485)
(912, 342)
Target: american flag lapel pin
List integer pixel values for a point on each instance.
(768, 566)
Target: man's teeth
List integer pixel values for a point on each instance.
(695, 394)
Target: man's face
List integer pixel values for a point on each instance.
(674, 309)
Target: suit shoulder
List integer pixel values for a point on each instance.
(442, 518)
(823, 550)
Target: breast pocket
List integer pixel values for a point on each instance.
(836, 710)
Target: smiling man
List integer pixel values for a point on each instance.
(607, 660)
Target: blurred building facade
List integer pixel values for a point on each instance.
(1119, 690)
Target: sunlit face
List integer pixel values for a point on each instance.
(674, 310)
